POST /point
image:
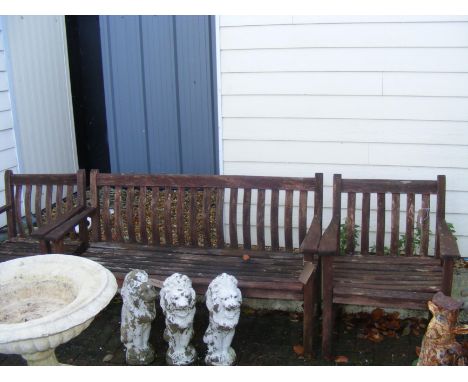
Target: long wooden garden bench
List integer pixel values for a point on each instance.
(175, 223)
(45, 201)
(397, 276)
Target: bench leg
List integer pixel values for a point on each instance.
(310, 302)
(327, 316)
(44, 246)
(58, 247)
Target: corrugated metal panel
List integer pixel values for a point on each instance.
(160, 100)
(40, 83)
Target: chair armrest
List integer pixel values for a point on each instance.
(5, 208)
(447, 242)
(59, 232)
(329, 243)
(311, 241)
(45, 229)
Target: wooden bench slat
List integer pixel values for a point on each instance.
(18, 196)
(48, 202)
(156, 239)
(380, 240)
(246, 218)
(423, 224)
(142, 215)
(220, 218)
(261, 219)
(350, 222)
(118, 213)
(27, 208)
(106, 213)
(206, 204)
(193, 217)
(180, 215)
(167, 216)
(365, 223)
(37, 204)
(409, 245)
(59, 199)
(274, 220)
(395, 225)
(302, 223)
(129, 213)
(288, 209)
(233, 218)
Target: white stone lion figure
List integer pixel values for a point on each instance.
(177, 300)
(138, 312)
(223, 300)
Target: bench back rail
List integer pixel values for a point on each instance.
(167, 209)
(401, 241)
(41, 198)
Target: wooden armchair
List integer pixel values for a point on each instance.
(381, 276)
(44, 213)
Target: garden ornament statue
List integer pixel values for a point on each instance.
(178, 305)
(439, 346)
(223, 300)
(138, 312)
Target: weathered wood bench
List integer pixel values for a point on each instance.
(45, 201)
(176, 223)
(393, 277)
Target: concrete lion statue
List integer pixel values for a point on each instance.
(138, 312)
(178, 305)
(223, 300)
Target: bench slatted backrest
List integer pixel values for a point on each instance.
(413, 189)
(45, 197)
(190, 209)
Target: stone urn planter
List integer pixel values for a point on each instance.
(46, 300)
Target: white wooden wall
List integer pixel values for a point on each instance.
(42, 108)
(8, 156)
(367, 97)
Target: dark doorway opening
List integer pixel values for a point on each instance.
(89, 107)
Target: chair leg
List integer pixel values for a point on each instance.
(310, 302)
(327, 315)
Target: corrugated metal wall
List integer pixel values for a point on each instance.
(159, 78)
(40, 87)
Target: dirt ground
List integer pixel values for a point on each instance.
(262, 338)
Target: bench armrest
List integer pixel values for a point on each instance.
(59, 232)
(329, 244)
(311, 241)
(447, 242)
(45, 229)
(5, 208)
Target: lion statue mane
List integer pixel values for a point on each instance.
(138, 312)
(223, 300)
(177, 300)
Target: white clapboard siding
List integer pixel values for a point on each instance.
(425, 84)
(311, 83)
(346, 130)
(365, 96)
(364, 107)
(454, 34)
(3, 81)
(41, 82)
(346, 59)
(8, 154)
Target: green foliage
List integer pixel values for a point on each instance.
(343, 236)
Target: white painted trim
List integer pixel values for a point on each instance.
(218, 90)
(69, 91)
(11, 90)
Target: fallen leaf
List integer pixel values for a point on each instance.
(418, 350)
(415, 332)
(341, 359)
(406, 331)
(107, 358)
(245, 257)
(298, 349)
(377, 314)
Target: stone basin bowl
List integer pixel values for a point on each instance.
(46, 300)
